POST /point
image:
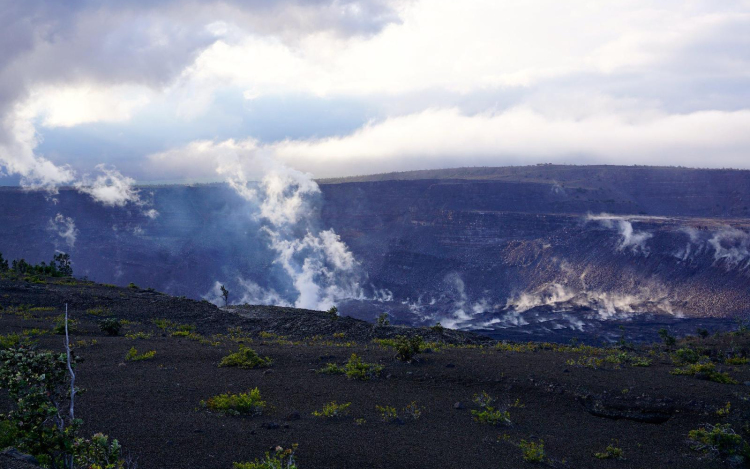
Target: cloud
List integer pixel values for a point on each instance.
(82, 62)
(630, 239)
(65, 228)
(440, 83)
(110, 188)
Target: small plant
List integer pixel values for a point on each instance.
(164, 324)
(532, 451)
(281, 459)
(724, 411)
(387, 413)
(687, 355)
(225, 295)
(245, 358)
(720, 440)
(355, 368)
(333, 410)
(492, 416)
(249, 403)
(138, 335)
(134, 356)
(110, 326)
(133, 286)
(383, 320)
(706, 371)
(339, 335)
(669, 340)
(406, 348)
(737, 361)
(10, 340)
(332, 369)
(96, 311)
(611, 452)
(98, 452)
(483, 399)
(438, 328)
(413, 411)
(703, 333)
(333, 312)
(59, 326)
(360, 422)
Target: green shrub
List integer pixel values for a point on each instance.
(611, 452)
(532, 452)
(133, 286)
(406, 347)
(10, 340)
(8, 434)
(37, 384)
(333, 312)
(332, 369)
(492, 416)
(383, 320)
(281, 459)
(707, 370)
(59, 325)
(134, 356)
(355, 368)
(333, 410)
(438, 328)
(669, 340)
(387, 413)
(720, 440)
(245, 358)
(413, 411)
(483, 399)
(687, 355)
(98, 452)
(138, 335)
(249, 403)
(110, 326)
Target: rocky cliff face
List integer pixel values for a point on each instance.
(490, 248)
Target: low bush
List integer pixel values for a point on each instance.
(134, 356)
(611, 452)
(687, 355)
(248, 403)
(333, 410)
(383, 320)
(281, 459)
(355, 368)
(720, 440)
(245, 358)
(406, 347)
(387, 413)
(492, 416)
(332, 369)
(532, 451)
(110, 326)
(705, 371)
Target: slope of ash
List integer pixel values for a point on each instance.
(573, 401)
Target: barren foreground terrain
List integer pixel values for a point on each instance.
(576, 400)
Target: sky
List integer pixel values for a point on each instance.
(101, 93)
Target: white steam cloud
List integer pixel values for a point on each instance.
(65, 228)
(609, 305)
(320, 267)
(732, 247)
(630, 239)
(110, 188)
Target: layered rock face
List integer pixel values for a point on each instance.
(479, 248)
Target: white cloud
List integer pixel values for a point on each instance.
(110, 188)
(65, 228)
(81, 104)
